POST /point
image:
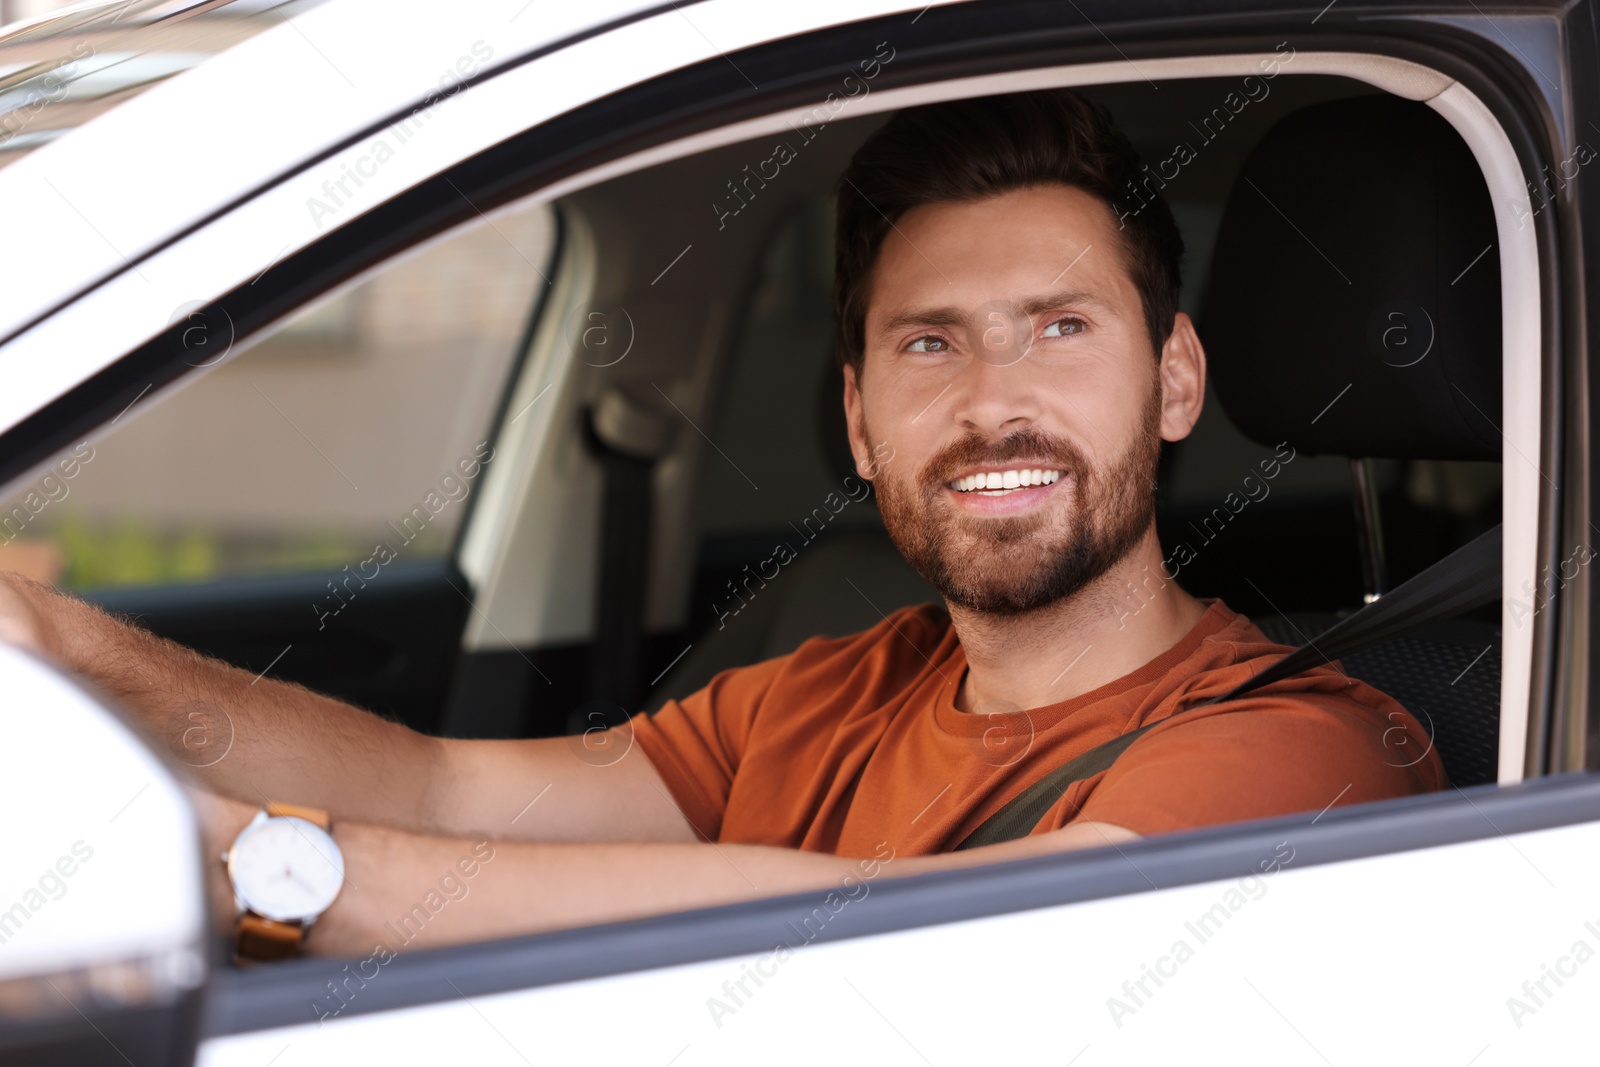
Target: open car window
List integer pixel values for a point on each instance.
(739, 348)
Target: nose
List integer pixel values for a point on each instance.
(997, 392)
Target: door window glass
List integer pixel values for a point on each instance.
(364, 418)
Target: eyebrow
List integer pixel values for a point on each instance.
(954, 316)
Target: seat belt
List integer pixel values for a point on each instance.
(1465, 579)
(627, 437)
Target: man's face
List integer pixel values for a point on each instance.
(1009, 373)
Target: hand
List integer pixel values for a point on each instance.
(23, 620)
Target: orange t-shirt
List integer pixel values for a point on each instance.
(849, 742)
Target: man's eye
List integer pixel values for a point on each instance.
(1065, 328)
(929, 344)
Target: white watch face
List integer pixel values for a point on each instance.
(286, 869)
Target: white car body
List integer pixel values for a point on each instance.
(1330, 943)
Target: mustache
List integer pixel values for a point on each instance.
(975, 450)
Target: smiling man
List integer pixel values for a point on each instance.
(1010, 337)
(1012, 358)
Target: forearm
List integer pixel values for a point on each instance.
(414, 893)
(257, 739)
(245, 735)
(523, 888)
(404, 890)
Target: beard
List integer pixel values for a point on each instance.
(1016, 564)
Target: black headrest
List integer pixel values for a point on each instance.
(1354, 303)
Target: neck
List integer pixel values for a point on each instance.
(1111, 627)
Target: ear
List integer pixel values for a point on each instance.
(855, 423)
(1183, 380)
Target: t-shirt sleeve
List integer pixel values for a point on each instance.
(696, 743)
(1266, 756)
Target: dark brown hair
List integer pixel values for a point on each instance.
(968, 150)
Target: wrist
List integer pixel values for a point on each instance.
(221, 820)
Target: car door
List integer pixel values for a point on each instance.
(1471, 910)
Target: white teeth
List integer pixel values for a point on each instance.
(996, 483)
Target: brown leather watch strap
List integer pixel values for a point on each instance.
(315, 816)
(256, 937)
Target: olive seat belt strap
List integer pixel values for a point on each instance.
(1467, 578)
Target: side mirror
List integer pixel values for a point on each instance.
(102, 899)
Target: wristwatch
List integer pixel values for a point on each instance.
(286, 871)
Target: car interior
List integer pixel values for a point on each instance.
(1401, 471)
(1320, 219)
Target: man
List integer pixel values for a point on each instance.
(1012, 357)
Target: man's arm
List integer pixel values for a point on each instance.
(259, 739)
(405, 890)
